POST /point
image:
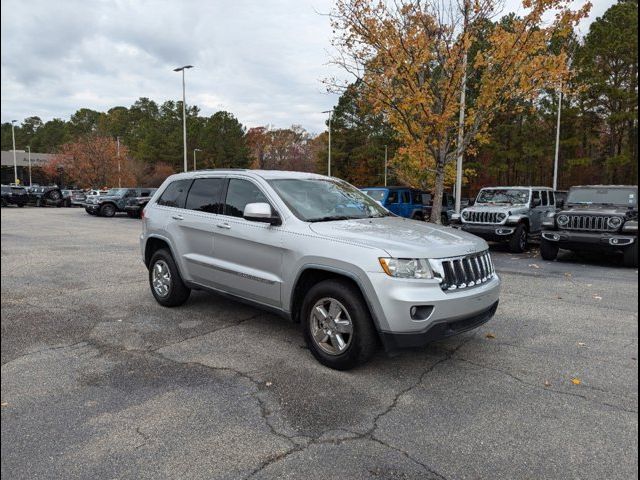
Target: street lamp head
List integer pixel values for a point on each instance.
(14, 121)
(179, 69)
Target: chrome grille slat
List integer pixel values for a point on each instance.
(464, 272)
(593, 223)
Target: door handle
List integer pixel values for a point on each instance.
(226, 226)
(177, 217)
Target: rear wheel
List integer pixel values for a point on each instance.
(107, 210)
(518, 242)
(337, 325)
(548, 250)
(444, 219)
(165, 281)
(631, 255)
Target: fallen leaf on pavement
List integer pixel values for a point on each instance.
(268, 384)
(576, 381)
(547, 383)
(490, 335)
(581, 344)
(4, 404)
(567, 274)
(533, 265)
(597, 297)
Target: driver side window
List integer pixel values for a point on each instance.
(239, 194)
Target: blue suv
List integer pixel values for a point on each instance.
(403, 201)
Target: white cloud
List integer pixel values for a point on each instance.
(261, 60)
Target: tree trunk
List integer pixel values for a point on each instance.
(436, 202)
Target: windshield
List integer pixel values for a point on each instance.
(116, 192)
(604, 196)
(503, 195)
(319, 199)
(377, 195)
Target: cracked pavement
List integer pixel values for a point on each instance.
(98, 381)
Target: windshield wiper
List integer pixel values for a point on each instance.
(330, 218)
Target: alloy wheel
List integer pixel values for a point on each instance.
(161, 278)
(331, 326)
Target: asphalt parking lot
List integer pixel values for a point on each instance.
(98, 381)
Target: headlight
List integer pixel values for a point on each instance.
(466, 215)
(615, 222)
(406, 267)
(502, 216)
(563, 220)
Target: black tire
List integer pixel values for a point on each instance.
(363, 340)
(418, 216)
(548, 250)
(54, 195)
(107, 210)
(88, 211)
(178, 292)
(631, 255)
(519, 241)
(444, 219)
(21, 205)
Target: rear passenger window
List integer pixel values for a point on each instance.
(239, 194)
(175, 194)
(545, 198)
(536, 195)
(404, 197)
(552, 198)
(205, 195)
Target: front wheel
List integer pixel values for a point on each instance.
(107, 210)
(165, 281)
(518, 243)
(337, 325)
(548, 250)
(631, 255)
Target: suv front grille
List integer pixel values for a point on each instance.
(483, 217)
(464, 272)
(588, 222)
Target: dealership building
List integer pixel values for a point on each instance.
(38, 160)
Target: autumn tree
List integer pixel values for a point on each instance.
(93, 161)
(411, 57)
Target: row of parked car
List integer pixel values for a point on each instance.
(586, 218)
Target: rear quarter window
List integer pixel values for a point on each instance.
(175, 194)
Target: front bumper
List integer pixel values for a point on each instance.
(411, 307)
(493, 233)
(91, 207)
(576, 240)
(437, 331)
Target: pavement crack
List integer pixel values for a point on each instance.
(144, 436)
(43, 350)
(218, 329)
(546, 389)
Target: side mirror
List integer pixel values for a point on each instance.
(260, 212)
(536, 202)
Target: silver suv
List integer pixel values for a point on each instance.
(508, 214)
(318, 251)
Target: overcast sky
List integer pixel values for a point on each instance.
(262, 60)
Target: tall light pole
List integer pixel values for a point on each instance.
(194, 157)
(184, 112)
(15, 163)
(463, 93)
(330, 112)
(385, 165)
(29, 156)
(557, 153)
(118, 155)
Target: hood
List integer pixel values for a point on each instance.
(497, 208)
(403, 238)
(599, 210)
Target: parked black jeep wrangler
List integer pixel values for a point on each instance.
(49, 195)
(595, 218)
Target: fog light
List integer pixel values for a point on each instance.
(614, 241)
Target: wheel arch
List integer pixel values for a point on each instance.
(310, 275)
(152, 245)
